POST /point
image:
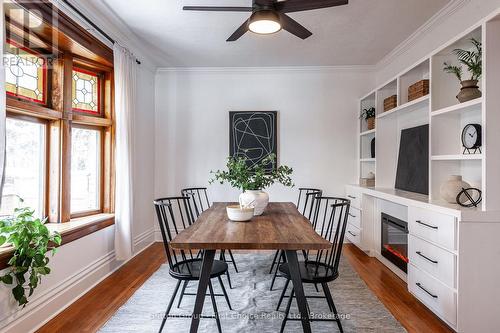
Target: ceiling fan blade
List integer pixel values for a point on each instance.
(239, 32)
(290, 6)
(218, 9)
(294, 27)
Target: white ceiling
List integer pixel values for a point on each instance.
(360, 33)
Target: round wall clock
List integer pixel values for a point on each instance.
(471, 138)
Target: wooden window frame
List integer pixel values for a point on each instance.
(75, 48)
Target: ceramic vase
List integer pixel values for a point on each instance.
(450, 188)
(256, 198)
(469, 91)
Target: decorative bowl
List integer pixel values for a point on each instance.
(238, 214)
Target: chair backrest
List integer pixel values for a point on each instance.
(305, 202)
(171, 212)
(330, 219)
(199, 199)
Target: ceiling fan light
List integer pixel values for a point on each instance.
(264, 22)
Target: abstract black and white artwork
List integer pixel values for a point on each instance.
(253, 135)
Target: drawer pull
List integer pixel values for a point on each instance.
(427, 291)
(427, 258)
(352, 234)
(427, 225)
(353, 216)
(351, 197)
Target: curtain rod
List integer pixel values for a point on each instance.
(102, 32)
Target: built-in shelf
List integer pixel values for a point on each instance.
(462, 107)
(367, 160)
(413, 105)
(457, 157)
(368, 132)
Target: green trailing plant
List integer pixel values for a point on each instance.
(257, 177)
(31, 241)
(470, 59)
(368, 113)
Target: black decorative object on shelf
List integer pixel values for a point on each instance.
(372, 148)
(472, 139)
(413, 160)
(469, 197)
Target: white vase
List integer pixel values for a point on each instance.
(450, 188)
(258, 199)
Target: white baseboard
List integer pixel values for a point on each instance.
(55, 300)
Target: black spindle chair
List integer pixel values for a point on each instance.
(305, 205)
(200, 203)
(330, 215)
(184, 267)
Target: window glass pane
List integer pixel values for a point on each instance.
(25, 166)
(25, 73)
(85, 169)
(85, 91)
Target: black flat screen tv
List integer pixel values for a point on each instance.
(413, 161)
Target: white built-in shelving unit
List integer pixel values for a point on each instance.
(446, 118)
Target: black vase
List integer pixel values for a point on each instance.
(373, 148)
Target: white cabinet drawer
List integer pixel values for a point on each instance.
(354, 195)
(353, 234)
(355, 217)
(434, 227)
(433, 260)
(438, 297)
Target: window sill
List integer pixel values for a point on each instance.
(70, 231)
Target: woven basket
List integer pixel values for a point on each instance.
(390, 102)
(371, 123)
(418, 89)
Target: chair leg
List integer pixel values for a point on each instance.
(283, 294)
(325, 290)
(287, 311)
(276, 271)
(316, 286)
(224, 292)
(170, 305)
(274, 261)
(234, 262)
(217, 319)
(182, 293)
(329, 297)
(229, 279)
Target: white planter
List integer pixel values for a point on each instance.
(450, 188)
(257, 199)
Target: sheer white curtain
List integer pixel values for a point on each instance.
(2, 104)
(125, 69)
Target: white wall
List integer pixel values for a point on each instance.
(316, 124)
(79, 265)
(466, 14)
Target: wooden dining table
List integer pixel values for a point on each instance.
(281, 227)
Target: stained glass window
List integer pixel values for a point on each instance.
(25, 73)
(86, 86)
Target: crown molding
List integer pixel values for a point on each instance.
(435, 21)
(102, 15)
(348, 68)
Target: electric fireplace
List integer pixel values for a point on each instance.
(394, 241)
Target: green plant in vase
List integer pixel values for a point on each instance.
(472, 60)
(253, 179)
(369, 116)
(31, 241)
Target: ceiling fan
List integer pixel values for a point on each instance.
(268, 16)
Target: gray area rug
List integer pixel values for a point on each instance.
(253, 304)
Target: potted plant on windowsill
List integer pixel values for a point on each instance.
(369, 116)
(30, 240)
(252, 180)
(472, 60)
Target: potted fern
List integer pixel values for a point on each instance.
(30, 240)
(472, 60)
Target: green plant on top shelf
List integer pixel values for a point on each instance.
(368, 113)
(470, 59)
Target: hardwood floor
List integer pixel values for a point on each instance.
(91, 311)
